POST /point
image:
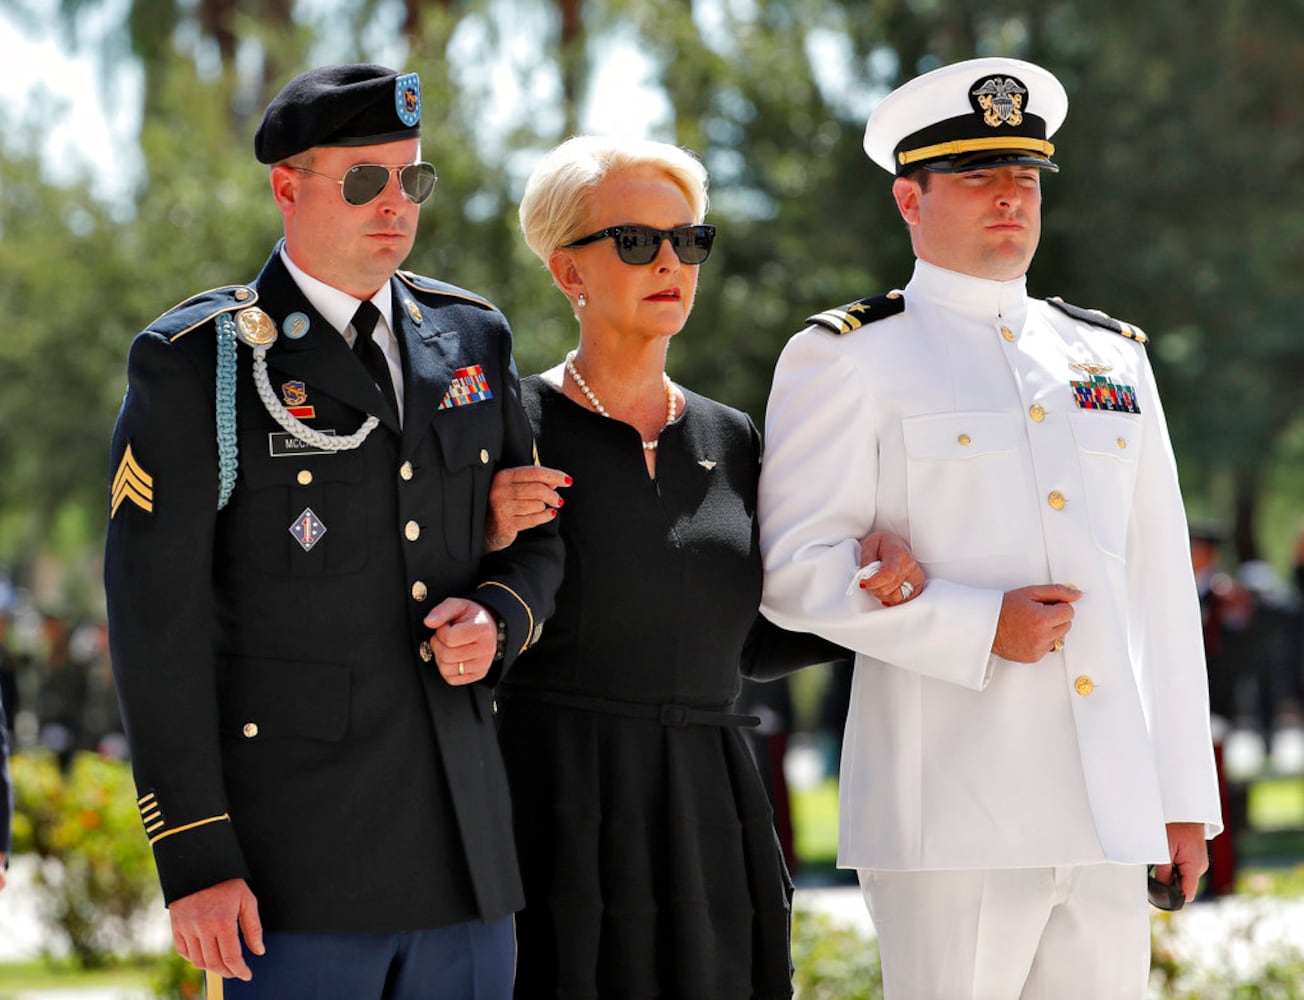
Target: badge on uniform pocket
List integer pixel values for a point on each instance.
(1099, 393)
(468, 386)
(307, 529)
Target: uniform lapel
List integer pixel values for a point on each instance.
(321, 357)
(428, 364)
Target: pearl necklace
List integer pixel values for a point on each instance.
(592, 397)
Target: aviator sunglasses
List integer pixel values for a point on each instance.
(363, 182)
(640, 244)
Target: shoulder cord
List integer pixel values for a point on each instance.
(228, 448)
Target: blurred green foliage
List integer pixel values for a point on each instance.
(1180, 206)
(96, 871)
(833, 961)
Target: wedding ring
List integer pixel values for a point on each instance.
(907, 589)
(461, 668)
(1057, 645)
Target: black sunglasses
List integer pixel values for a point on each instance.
(363, 182)
(641, 244)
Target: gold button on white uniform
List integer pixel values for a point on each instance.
(1037, 412)
(1122, 442)
(1084, 686)
(964, 439)
(304, 477)
(405, 471)
(1007, 333)
(419, 591)
(425, 652)
(250, 730)
(412, 531)
(484, 457)
(1056, 500)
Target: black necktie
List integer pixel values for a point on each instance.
(370, 354)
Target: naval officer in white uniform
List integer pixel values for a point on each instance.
(1032, 730)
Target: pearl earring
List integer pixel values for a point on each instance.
(582, 301)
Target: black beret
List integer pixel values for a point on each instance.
(353, 105)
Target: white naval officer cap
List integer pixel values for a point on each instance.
(967, 116)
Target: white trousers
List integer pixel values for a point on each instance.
(1073, 933)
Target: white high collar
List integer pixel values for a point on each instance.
(977, 298)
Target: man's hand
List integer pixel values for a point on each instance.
(464, 639)
(204, 928)
(519, 499)
(1032, 619)
(1188, 850)
(898, 567)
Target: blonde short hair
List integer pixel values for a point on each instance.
(554, 207)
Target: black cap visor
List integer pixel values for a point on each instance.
(990, 158)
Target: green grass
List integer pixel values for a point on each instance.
(1277, 804)
(815, 822)
(39, 974)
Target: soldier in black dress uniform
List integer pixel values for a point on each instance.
(304, 623)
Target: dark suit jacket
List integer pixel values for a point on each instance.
(286, 724)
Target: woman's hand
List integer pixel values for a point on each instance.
(519, 499)
(899, 578)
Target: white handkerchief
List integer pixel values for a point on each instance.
(864, 573)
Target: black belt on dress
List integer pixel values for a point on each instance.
(667, 715)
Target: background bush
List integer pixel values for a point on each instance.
(96, 873)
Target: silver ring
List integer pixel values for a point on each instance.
(907, 589)
(461, 669)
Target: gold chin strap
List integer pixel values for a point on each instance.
(960, 146)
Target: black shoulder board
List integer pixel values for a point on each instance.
(854, 315)
(1098, 318)
(197, 310)
(433, 287)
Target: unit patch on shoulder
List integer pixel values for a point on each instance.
(133, 483)
(1100, 319)
(854, 315)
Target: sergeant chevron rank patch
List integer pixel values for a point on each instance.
(133, 483)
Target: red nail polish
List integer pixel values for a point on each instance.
(561, 502)
(569, 480)
(552, 512)
(864, 584)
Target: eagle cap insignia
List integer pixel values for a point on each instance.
(1000, 99)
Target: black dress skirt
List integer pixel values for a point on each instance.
(646, 841)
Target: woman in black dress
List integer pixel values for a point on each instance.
(649, 858)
